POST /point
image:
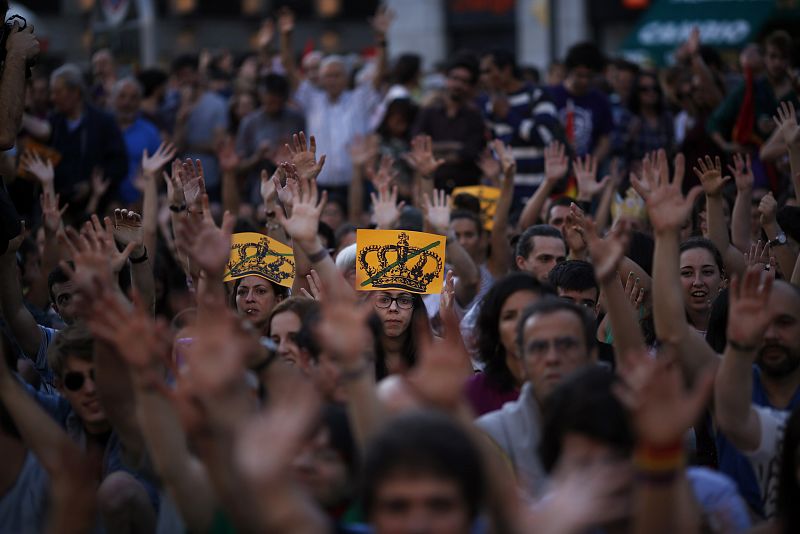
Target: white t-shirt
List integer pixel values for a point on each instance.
(766, 460)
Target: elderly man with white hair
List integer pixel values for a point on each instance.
(139, 133)
(334, 113)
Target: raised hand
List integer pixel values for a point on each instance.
(42, 169)
(193, 181)
(606, 253)
(742, 172)
(586, 176)
(314, 285)
(786, 119)
(556, 163)
(507, 162)
(364, 149)
(437, 212)
(634, 290)
(100, 183)
(304, 157)
(574, 230)
(710, 175)
(175, 195)
(386, 174)
(662, 409)
(489, 165)
(382, 20)
(768, 208)
(345, 333)
(285, 20)
(227, 156)
(748, 314)
(128, 227)
(421, 157)
(448, 295)
(303, 223)
(285, 181)
(758, 256)
(152, 165)
(386, 210)
(51, 215)
(667, 207)
(265, 33)
(207, 246)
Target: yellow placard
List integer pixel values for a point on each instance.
(399, 259)
(487, 196)
(260, 255)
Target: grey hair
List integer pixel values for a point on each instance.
(346, 259)
(72, 76)
(119, 84)
(333, 59)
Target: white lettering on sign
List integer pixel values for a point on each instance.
(714, 32)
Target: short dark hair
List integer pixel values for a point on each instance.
(73, 341)
(274, 84)
(406, 68)
(781, 40)
(57, 276)
(467, 202)
(585, 55)
(185, 61)
(573, 275)
(550, 305)
(151, 80)
(525, 243)
(424, 443)
(584, 404)
(468, 61)
(490, 350)
(503, 58)
(560, 201)
(470, 215)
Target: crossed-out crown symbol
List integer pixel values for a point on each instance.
(258, 258)
(400, 266)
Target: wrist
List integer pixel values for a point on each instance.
(310, 246)
(744, 347)
(659, 464)
(771, 228)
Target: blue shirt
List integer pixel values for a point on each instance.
(591, 116)
(140, 135)
(734, 464)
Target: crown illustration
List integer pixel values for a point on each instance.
(257, 258)
(400, 266)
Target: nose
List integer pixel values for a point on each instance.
(394, 306)
(697, 279)
(551, 357)
(250, 297)
(88, 385)
(771, 334)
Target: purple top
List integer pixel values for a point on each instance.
(484, 397)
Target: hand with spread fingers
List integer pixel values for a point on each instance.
(667, 208)
(207, 246)
(152, 165)
(748, 313)
(786, 121)
(385, 175)
(303, 222)
(304, 156)
(742, 171)
(710, 175)
(42, 169)
(51, 214)
(556, 163)
(586, 176)
(606, 253)
(437, 211)
(386, 210)
(421, 157)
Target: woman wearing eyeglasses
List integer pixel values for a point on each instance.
(400, 313)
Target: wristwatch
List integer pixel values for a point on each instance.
(779, 240)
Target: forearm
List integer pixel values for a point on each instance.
(39, 292)
(668, 306)
(665, 508)
(23, 325)
(150, 214)
(468, 275)
(143, 280)
(39, 431)
(740, 220)
(718, 234)
(603, 213)
(773, 149)
(500, 259)
(12, 100)
(287, 58)
(532, 211)
(628, 339)
(333, 282)
(230, 192)
(364, 410)
(710, 93)
(733, 389)
(355, 196)
(794, 168)
(796, 273)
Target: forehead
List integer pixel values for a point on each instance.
(697, 257)
(254, 281)
(61, 288)
(548, 245)
(464, 224)
(77, 364)
(334, 67)
(286, 318)
(784, 299)
(559, 210)
(393, 293)
(555, 324)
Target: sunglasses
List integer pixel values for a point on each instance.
(73, 380)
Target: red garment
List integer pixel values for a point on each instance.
(746, 120)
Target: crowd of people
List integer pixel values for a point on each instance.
(217, 315)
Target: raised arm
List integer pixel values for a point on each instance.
(128, 229)
(786, 120)
(501, 254)
(768, 207)
(741, 232)
(748, 319)
(151, 170)
(22, 324)
(21, 47)
(556, 166)
(437, 217)
(710, 175)
(668, 210)
(380, 25)
(285, 29)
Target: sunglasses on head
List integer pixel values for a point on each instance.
(74, 380)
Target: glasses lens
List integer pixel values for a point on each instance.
(405, 303)
(73, 381)
(383, 302)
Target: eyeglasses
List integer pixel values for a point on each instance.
(74, 380)
(538, 348)
(403, 302)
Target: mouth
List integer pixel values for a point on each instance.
(773, 352)
(252, 311)
(699, 293)
(92, 405)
